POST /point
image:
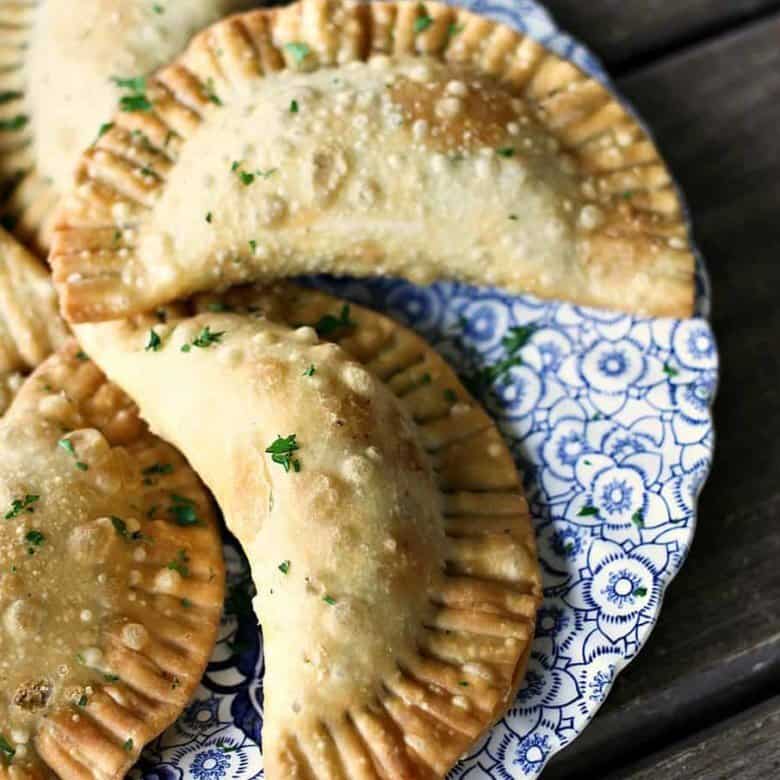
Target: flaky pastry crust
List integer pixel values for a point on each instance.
(381, 511)
(409, 139)
(111, 577)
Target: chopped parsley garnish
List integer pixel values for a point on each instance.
(253, 245)
(211, 93)
(162, 315)
(9, 96)
(14, 123)
(154, 344)
(6, 749)
(134, 103)
(284, 567)
(640, 591)
(514, 217)
(82, 702)
(454, 29)
(293, 106)
(463, 683)
(670, 371)
(310, 371)
(19, 505)
(267, 173)
(225, 748)
(111, 677)
(186, 603)
(281, 452)
(209, 217)
(329, 600)
(506, 151)
(588, 511)
(206, 338)
(422, 22)
(103, 129)
(120, 526)
(450, 395)
(299, 51)
(128, 746)
(183, 511)
(35, 539)
(517, 337)
(179, 563)
(638, 519)
(330, 323)
(67, 445)
(136, 100)
(81, 355)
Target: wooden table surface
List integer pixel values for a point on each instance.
(702, 700)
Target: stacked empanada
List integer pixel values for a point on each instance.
(383, 516)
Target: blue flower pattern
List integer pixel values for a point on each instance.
(609, 416)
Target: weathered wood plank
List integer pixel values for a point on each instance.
(745, 747)
(625, 31)
(716, 112)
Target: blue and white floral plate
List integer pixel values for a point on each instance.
(609, 417)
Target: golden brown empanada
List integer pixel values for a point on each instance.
(111, 577)
(30, 323)
(408, 139)
(388, 534)
(67, 66)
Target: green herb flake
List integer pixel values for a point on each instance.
(135, 84)
(670, 371)
(186, 603)
(298, 50)
(81, 355)
(219, 306)
(8, 96)
(81, 466)
(19, 505)
(450, 395)
(284, 567)
(211, 93)
(463, 684)
(14, 123)
(293, 106)
(506, 151)
(128, 746)
(180, 563)
(209, 217)
(134, 103)
(588, 511)
(35, 538)
(253, 245)
(514, 217)
(310, 371)
(186, 348)
(102, 130)
(329, 323)
(158, 9)
(67, 445)
(455, 29)
(183, 511)
(111, 678)
(246, 178)
(206, 338)
(424, 21)
(6, 749)
(154, 344)
(641, 592)
(329, 600)
(82, 702)
(157, 468)
(638, 519)
(281, 452)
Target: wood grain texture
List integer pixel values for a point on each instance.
(625, 31)
(745, 747)
(716, 112)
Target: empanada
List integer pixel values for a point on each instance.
(66, 67)
(30, 323)
(111, 577)
(402, 139)
(382, 514)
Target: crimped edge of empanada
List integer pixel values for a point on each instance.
(640, 222)
(473, 654)
(103, 739)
